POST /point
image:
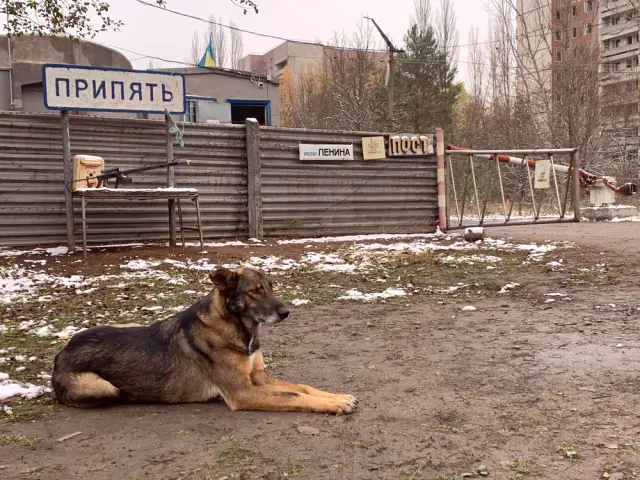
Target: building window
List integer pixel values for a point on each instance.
(574, 10)
(558, 34)
(558, 57)
(615, 20)
(575, 32)
(588, 28)
(588, 6)
(606, 44)
(629, 40)
(558, 14)
(616, 43)
(629, 63)
(191, 114)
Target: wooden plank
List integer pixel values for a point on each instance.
(254, 185)
(68, 177)
(171, 182)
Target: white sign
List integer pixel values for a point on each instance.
(80, 88)
(408, 144)
(326, 152)
(543, 171)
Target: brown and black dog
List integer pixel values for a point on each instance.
(208, 351)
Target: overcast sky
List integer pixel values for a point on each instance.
(155, 33)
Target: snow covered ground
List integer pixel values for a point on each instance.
(26, 281)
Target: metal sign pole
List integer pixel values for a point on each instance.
(67, 176)
(170, 181)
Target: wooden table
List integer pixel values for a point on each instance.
(169, 193)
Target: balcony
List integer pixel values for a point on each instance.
(624, 27)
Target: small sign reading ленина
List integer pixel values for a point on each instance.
(326, 152)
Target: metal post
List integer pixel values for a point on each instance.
(84, 227)
(254, 182)
(575, 182)
(392, 76)
(67, 178)
(171, 181)
(199, 223)
(10, 66)
(442, 187)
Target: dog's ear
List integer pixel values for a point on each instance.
(225, 279)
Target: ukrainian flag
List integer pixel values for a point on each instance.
(209, 58)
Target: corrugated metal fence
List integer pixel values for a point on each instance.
(298, 198)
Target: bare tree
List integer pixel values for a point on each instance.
(196, 52)
(344, 92)
(237, 47)
(447, 30)
(422, 14)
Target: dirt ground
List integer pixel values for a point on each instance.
(527, 385)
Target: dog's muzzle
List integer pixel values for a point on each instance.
(277, 316)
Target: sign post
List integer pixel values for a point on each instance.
(96, 89)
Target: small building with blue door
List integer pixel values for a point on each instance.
(222, 95)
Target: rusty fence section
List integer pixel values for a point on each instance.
(498, 188)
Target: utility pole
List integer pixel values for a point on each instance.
(392, 68)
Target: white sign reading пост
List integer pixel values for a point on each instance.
(73, 87)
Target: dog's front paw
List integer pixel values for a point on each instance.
(345, 404)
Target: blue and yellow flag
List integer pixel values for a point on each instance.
(209, 58)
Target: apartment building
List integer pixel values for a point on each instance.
(298, 57)
(584, 34)
(619, 36)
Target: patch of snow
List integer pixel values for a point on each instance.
(37, 262)
(555, 294)
(555, 264)
(296, 302)
(508, 287)
(155, 308)
(140, 264)
(471, 259)
(3, 328)
(55, 251)
(68, 332)
(87, 291)
(190, 292)
(354, 294)
(21, 369)
(356, 238)
(4, 376)
(454, 288)
(7, 409)
(29, 391)
(469, 308)
(45, 331)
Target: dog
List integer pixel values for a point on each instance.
(206, 352)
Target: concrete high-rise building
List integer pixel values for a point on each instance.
(583, 33)
(299, 57)
(619, 35)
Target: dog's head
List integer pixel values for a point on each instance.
(249, 295)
